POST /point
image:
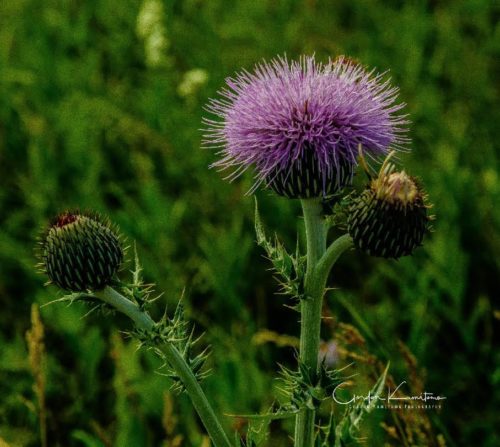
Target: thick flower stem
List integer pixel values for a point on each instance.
(331, 255)
(319, 263)
(200, 402)
(310, 322)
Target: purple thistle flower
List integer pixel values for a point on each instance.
(300, 123)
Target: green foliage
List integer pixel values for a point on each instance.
(308, 389)
(91, 117)
(348, 427)
(290, 269)
(258, 430)
(176, 332)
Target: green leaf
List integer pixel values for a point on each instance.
(258, 425)
(259, 228)
(86, 439)
(350, 423)
(290, 269)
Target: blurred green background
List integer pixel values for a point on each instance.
(100, 107)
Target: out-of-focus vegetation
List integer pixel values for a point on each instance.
(100, 107)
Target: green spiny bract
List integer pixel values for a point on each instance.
(177, 332)
(290, 269)
(389, 219)
(306, 388)
(302, 178)
(80, 252)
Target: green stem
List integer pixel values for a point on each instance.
(200, 402)
(319, 263)
(331, 255)
(310, 323)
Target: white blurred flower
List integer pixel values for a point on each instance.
(192, 81)
(150, 28)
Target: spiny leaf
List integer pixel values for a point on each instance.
(350, 423)
(307, 388)
(337, 210)
(259, 229)
(177, 332)
(290, 270)
(70, 298)
(139, 292)
(258, 426)
(137, 272)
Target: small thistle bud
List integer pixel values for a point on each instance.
(80, 252)
(389, 219)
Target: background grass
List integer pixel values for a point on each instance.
(100, 108)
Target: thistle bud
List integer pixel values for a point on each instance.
(80, 252)
(389, 219)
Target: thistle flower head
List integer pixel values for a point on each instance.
(300, 123)
(397, 188)
(389, 219)
(80, 252)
